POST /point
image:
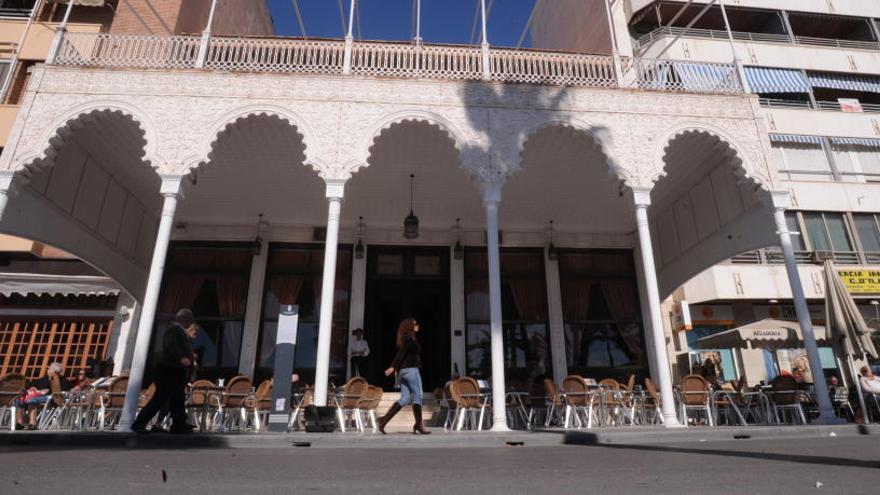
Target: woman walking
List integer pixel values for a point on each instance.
(407, 363)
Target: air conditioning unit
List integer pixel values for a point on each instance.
(819, 257)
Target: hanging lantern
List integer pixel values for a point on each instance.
(411, 222)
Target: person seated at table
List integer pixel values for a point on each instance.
(870, 382)
(37, 394)
(81, 380)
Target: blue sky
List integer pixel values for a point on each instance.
(443, 21)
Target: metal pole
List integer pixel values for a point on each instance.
(418, 38)
(206, 37)
(335, 191)
(487, 73)
(491, 199)
(349, 39)
(14, 61)
(171, 193)
(686, 29)
(826, 411)
(736, 61)
(522, 36)
(641, 201)
(615, 49)
(59, 34)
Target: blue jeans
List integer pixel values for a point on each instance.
(410, 387)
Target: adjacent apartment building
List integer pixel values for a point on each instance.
(54, 307)
(815, 67)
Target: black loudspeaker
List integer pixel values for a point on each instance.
(320, 419)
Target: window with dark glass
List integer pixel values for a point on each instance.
(868, 230)
(827, 231)
(212, 280)
(294, 276)
(600, 305)
(524, 317)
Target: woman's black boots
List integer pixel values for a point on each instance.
(418, 428)
(384, 420)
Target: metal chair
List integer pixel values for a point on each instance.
(110, 403)
(695, 396)
(785, 398)
(259, 405)
(579, 402)
(238, 391)
(347, 402)
(617, 406)
(472, 404)
(651, 404)
(368, 404)
(841, 404)
(11, 386)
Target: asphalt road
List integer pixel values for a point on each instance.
(791, 466)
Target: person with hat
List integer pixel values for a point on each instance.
(360, 349)
(173, 373)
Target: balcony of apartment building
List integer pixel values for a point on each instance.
(766, 37)
(850, 239)
(27, 28)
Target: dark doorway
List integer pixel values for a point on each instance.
(404, 282)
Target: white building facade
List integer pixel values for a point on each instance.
(560, 197)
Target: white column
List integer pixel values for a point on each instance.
(646, 310)
(171, 192)
(556, 317)
(125, 350)
(484, 44)
(641, 200)
(253, 312)
(457, 315)
(120, 327)
(826, 411)
(349, 39)
(335, 192)
(358, 301)
(491, 199)
(5, 189)
(59, 35)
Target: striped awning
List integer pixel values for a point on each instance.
(795, 138)
(66, 285)
(770, 80)
(853, 141)
(849, 82)
(701, 77)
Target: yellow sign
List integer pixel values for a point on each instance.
(861, 281)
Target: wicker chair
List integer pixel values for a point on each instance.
(555, 404)
(695, 396)
(472, 405)
(785, 399)
(447, 403)
(111, 402)
(260, 404)
(617, 404)
(579, 402)
(368, 404)
(651, 405)
(235, 398)
(11, 386)
(204, 405)
(347, 403)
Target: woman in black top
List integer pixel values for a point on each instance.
(407, 363)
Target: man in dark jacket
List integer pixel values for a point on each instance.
(173, 372)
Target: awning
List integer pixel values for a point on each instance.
(84, 3)
(852, 141)
(700, 77)
(770, 80)
(40, 284)
(796, 138)
(849, 82)
(764, 334)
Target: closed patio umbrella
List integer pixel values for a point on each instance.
(847, 326)
(768, 334)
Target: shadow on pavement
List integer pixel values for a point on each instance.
(110, 440)
(592, 440)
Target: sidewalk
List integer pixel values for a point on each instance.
(440, 439)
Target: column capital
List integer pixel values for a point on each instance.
(172, 185)
(781, 200)
(492, 193)
(335, 188)
(640, 196)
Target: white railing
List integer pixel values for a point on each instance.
(672, 75)
(721, 35)
(567, 69)
(275, 55)
(446, 62)
(128, 51)
(423, 61)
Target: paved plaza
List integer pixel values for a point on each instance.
(778, 465)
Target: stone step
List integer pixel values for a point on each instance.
(404, 420)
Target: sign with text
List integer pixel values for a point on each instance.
(850, 105)
(861, 281)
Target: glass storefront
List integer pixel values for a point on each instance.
(212, 280)
(600, 305)
(524, 314)
(294, 276)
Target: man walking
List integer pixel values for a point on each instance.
(173, 373)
